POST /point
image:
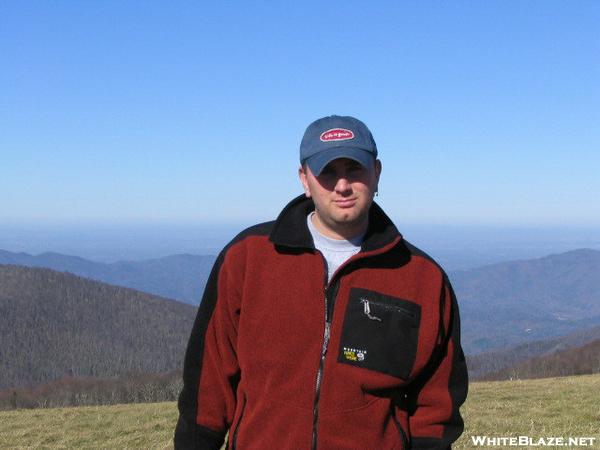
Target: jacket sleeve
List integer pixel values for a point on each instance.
(436, 395)
(211, 371)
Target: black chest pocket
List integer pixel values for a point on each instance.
(380, 333)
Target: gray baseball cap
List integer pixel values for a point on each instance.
(334, 137)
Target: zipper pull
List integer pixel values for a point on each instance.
(326, 338)
(367, 310)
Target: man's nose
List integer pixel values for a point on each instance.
(342, 184)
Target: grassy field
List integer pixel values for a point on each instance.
(567, 407)
(558, 407)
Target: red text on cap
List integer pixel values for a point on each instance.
(336, 134)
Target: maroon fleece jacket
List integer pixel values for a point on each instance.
(282, 359)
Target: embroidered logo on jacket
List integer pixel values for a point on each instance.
(354, 354)
(337, 134)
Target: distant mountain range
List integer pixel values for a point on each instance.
(506, 304)
(55, 324)
(180, 277)
(502, 305)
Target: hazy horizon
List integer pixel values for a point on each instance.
(456, 247)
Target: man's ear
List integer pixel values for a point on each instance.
(302, 175)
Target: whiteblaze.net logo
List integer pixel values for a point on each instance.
(528, 441)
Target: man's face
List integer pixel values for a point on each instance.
(342, 193)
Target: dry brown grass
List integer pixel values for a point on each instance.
(133, 426)
(567, 407)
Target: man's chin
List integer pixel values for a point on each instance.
(348, 223)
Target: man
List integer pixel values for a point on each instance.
(325, 329)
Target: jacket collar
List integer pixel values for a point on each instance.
(290, 229)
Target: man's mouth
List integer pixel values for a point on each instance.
(345, 203)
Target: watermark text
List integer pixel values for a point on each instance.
(528, 441)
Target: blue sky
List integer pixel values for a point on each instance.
(113, 112)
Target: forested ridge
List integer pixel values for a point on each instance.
(574, 361)
(55, 325)
(496, 361)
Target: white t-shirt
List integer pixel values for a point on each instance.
(335, 251)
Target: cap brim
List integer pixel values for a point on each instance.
(317, 162)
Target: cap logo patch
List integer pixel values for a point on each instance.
(337, 134)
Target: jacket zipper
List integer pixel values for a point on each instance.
(326, 335)
(237, 428)
(396, 308)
